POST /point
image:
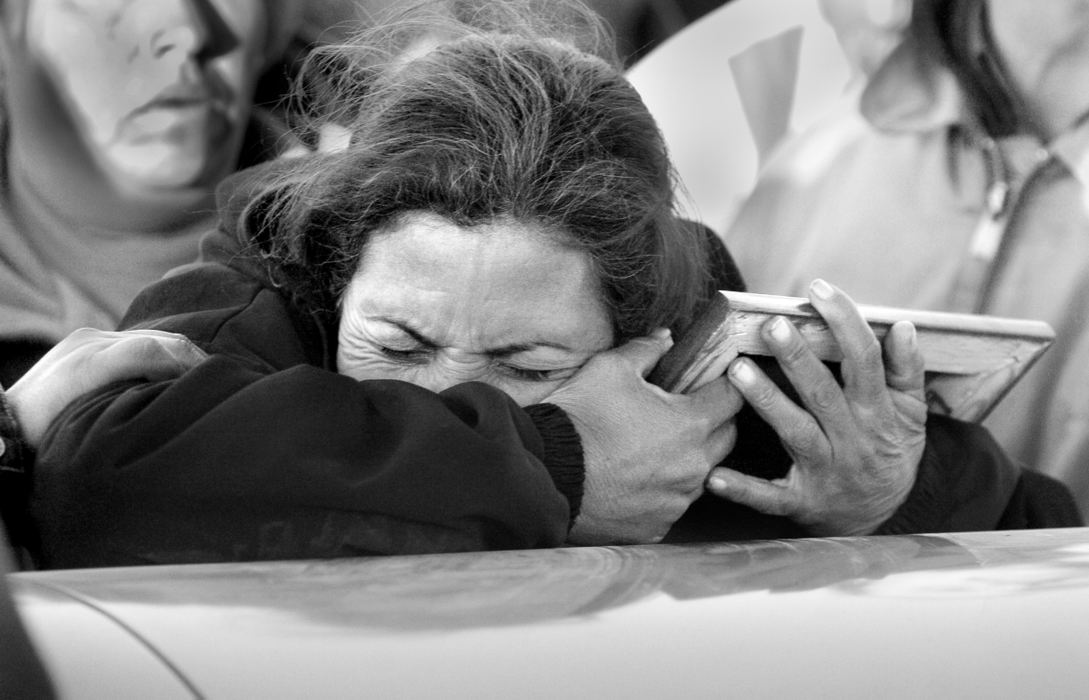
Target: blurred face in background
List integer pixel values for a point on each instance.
(1026, 26)
(868, 30)
(160, 90)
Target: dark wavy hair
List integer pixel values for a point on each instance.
(482, 111)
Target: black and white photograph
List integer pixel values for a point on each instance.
(496, 349)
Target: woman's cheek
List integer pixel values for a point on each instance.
(527, 393)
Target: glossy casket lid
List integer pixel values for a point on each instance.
(965, 615)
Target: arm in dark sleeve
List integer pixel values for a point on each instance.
(967, 482)
(226, 463)
(15, 454)
(15, 460)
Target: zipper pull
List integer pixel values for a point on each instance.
(991, 227)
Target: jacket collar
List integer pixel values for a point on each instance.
(914, 89)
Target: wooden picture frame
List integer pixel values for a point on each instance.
(972, 361)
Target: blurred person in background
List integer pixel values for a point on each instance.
(727, 90)
(119, 118)
(957, 181)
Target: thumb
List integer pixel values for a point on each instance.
(186, 353)
(151, 355)
(904, 364)
(768, 497)
(643, 353)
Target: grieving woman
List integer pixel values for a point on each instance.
(435, 338)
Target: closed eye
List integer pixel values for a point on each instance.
(410, 356)
(538, 375)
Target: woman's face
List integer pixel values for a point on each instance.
(160, 89)
(436, 305)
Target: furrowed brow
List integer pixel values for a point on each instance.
(501, 351)
(410, 331)
(515, 348)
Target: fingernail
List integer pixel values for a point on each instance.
(660, 333)
(912, 337)
(742, 372)
(193, 350)
(780, 329)
(821, 289)
(716, 483)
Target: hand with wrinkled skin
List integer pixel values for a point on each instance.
(856, 449)
(88, 359)
(647, 452)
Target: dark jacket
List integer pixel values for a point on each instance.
(264, 452)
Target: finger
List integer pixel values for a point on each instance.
(721, 442)
(719, 400)
(151, 333)
(862, 368)
(171, 357)
(770, 497)
(798, 430)
(89, 340)
(81, 338)
(643, 353)
(186, 353)
(904, 368)
(145, 357)
(814, 382)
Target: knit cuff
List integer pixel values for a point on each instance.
(562, 453)
(15, 453)
(16, 460)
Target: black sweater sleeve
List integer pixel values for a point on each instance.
(228, 464)
(967, 482)
(15, 460)
(261, 453)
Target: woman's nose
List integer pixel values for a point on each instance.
(445, 372)
(180, 42)
(196, 31)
